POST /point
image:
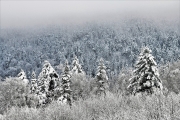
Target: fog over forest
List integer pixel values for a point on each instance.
(90, 60)
(34, 31)
(22, 14)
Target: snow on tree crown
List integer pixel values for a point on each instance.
(146, 75)
(49, 70)
(76, 66)
(66, 68)
(101, 73)
(33, 76)
(47, 66)
(75, 61)
(22, 74)
(146, 50)
(101, 65)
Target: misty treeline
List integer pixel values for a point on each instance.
(118, 44)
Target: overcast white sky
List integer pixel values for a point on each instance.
(26, 13)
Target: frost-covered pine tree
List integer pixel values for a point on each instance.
(76, 67)
(47, 81)
(47, 78)
(65, 86)
(101, 78)
(22, 76)
(43, 78)
(42, 83)
(33, 86)
(146, 75)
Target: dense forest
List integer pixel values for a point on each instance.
(118, 43)
(91, 71)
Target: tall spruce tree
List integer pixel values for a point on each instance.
(101, 78)
(146, 75)
(66, 86)
(47, 82)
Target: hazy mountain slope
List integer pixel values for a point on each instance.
(118, 43)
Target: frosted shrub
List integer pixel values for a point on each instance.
(80, 86)
(13, 92)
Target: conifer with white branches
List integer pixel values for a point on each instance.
(146, 75)
(76, 67)
(22, 76)
(47, 76)
(47, 81)
(43, 78)
(101, 78)
(33, 86)
(65, 86)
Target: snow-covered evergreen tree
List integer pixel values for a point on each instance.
(146, 75)
(47, 81)
(76, 67)
(101, 78)
(22, 76)
(47, 78)
(43, 78)
(33, 83)
(66, 86)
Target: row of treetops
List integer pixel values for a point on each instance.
(48, 86)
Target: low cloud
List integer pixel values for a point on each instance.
(40, 13)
